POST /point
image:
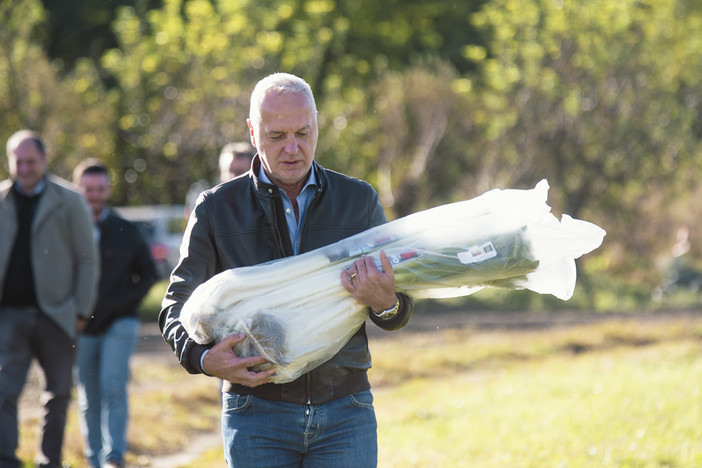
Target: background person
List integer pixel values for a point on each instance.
(107, 343)
(288, 204)
(235, 159)
(48, 275)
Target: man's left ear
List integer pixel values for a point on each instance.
(251, 133)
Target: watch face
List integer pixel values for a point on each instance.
(390, 313)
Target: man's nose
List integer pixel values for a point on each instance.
(291, 145)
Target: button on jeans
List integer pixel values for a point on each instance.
(264, 433)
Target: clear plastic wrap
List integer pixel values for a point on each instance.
(296, 313)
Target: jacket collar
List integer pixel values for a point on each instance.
(51, 199)
(5, 188)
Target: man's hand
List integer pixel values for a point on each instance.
(370, 286)
(222, 362)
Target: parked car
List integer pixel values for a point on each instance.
(162, 226)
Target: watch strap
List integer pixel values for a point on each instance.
(389, 313)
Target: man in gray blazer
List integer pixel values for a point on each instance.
(48, 285)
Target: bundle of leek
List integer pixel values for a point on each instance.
(296, 313)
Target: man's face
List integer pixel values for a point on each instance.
(286, 139)
(236, 167)
(27, 165)
(96, 191)
(239, 165)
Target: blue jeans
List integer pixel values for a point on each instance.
(102, 374)
(263, 433)
(26, 333)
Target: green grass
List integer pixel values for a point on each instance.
(616, 393)
(625, 407)
(151, 305)
(620, 394)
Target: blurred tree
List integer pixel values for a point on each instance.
(182, 74)
(601, 97)
(357, 40)
(431, 101)
(77, 29)
(185, 72)
(74, 114)
(408, 136)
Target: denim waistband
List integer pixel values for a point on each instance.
(304, 390)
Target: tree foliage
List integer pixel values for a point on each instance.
(76, 29)
(185, 72)
(74, 112)
(432, 101)
(600, 97)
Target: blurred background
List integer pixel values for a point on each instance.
(432, 101)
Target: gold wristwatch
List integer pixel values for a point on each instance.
(389, 313)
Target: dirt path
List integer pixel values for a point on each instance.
(149, 349)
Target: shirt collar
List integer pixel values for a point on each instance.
(311, 180)
(41, 185)
(103, 214)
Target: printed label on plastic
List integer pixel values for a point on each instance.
(477, 253)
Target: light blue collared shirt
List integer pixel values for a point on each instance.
(303, 201)
(96, 226)
(41, 185)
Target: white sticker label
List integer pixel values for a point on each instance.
(477, 253)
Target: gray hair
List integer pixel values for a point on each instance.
(230, 151)
(238, 149)
(277, 83)
(18, 137)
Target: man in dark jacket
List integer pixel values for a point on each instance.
(287, 204)
(107, 342)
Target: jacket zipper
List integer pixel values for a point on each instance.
(308, 388)
(276, 228)
(308, 384)
(304, 221)
(309, 394)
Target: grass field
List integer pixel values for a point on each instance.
(617, 394)
(620, 393)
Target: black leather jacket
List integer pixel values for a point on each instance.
(242, 223)
(127, 272)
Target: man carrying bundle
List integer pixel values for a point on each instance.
(285, 205)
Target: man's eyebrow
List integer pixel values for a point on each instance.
(306, 128)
